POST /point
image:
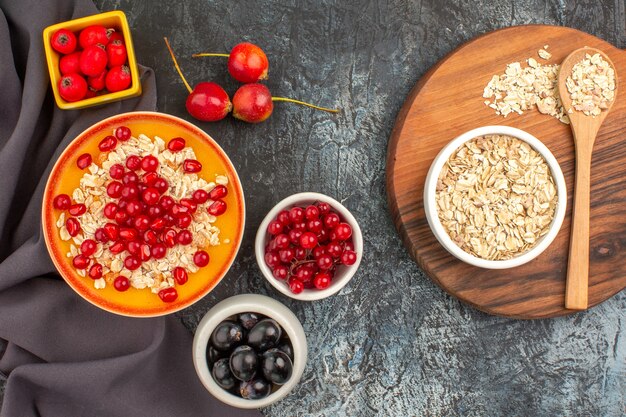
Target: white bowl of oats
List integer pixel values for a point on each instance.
(495, 197)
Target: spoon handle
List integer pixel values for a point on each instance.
(578, 262)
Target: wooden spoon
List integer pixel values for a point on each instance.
(585, 129)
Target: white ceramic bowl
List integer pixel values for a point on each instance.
(430, 206)
(343, 273)
(241, 304)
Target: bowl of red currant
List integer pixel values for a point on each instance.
(309, 246)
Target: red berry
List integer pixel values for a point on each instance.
(322, 280)
(122, 133)
(108, 143)
(95, 271)
(275, 227)
(96, 83)
(271, 259)
(311, 213)
(93, 61)
(200, 196)
(150, 196)
(208, 102)
(334, 249)
(286, 255)
(88, 247)
(331, 220)
(343, 231)
(323, 236)
(133, 162)
(252, 103)
(304, 273)
(318, 251)
(348, 257)
(281, 241)
(296, 286)
(149, 163)
(247, 63)
(158, 251)
(323, 207)
(72, 87)
(281, 272)
(62, 202)
(118, 78)
(296, 214)
(101, 235)
(325, 262)
(93, 35)
(77, 209)
(168, 295)
(117, 247)
(294, 236)
(308, 240)
(80, 262)
(300, 254)
(116, 171)
(219, 192)
(121, 283)
(69, 64)
(131, 263)
(116, 53)
(180, 275)
(217, 208)
(115, 35)
(73, 226)
(283, 217)
(128, 233)
(176, 144)
(191, 165)
(201, 258)
(63, 41)
(314, 226)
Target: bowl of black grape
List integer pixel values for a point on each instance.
(249, 351)
(309, 246)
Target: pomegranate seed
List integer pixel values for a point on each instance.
(169, 220)
(133, 208)
(219, 192)
(80, 261)
(142, 222)
(343, 231)
(180, 275)
(110, 209)
(217, 208)
(178, 210)
(184, 237)
(161, 185)
(286, 255)
(294, 236)
(281, 272)
(201, 258)
(150, 178)
(121, 217)
(133, 247)
(150, 196)
(150, 236)
(325, 262)
(133, 162)
(166, 202)
(348, 257)
(311, 213)
(62, 202)
(155, 211)
(296, 215)
(122, 133)
(331, 220)
(158, 251)
(88, 247)
(183, 221)
(200, 196)
(149, 163)
(77, 209)
(176, 144)
(275, 227)
(283, 217)
(168, 295)
(117, 247)
(121, 283)
(84, 161)
(114, 189)
(131, 263)
(323, 207)
(128, 233)
(158, 224)
(116, 171)
(188, 202)
(108, 143)
(95, 271)
(322, 280)
(281, 241)
(101, 235)
(73, 226)
(334, 249)
(112, 230)
(169, 237)
(296, 286)
(144, 252)
(308, 240)
(130, 178)
(130, 192)
(314, 226)
(191, 165)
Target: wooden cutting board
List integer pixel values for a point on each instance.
(448, 101)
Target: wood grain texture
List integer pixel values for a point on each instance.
(446, 102)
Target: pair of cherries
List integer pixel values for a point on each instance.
(252, 102)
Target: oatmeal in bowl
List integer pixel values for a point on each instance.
(495, 197)
(143, 214)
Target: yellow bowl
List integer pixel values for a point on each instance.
(115, 19)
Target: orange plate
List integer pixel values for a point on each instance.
(65, 177)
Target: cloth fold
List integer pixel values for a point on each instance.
(61, 355)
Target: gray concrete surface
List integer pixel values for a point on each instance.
(391, 343)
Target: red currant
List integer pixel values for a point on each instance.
(281, 272)
(311, 212)
(275, 227)
(296, 215)
(308, 240)
(296, 286)
(343, 231)
(348, 257)
(322, 280)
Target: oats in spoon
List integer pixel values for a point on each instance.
(591, 85)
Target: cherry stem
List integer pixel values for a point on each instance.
(182, 77)
(290, 100)
(209, 54)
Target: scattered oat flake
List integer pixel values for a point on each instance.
(591, 85)
(544, 54)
